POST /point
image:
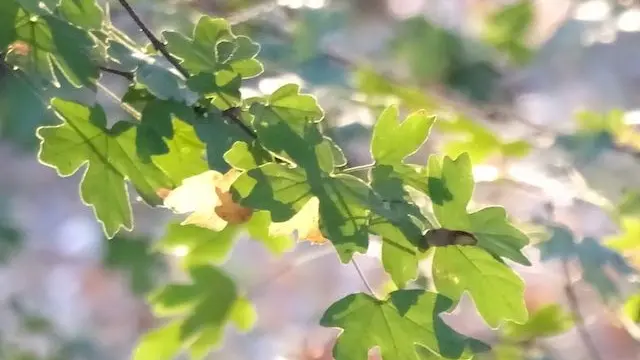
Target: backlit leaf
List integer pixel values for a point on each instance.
(204, 307)
(213, 48)
(393, 141)
(450, 185)
(48, 41)
(550, 320)
(196, 245)
(399, 325)
(86, 14)
(109, 156)
(496, 290)
(206, 197)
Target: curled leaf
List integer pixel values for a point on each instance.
(206, 197)
(445, 237)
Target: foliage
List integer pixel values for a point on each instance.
(265, 166)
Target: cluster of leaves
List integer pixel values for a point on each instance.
(264, 166)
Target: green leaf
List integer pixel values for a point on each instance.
(86, 14)
(8, 15)
(123, 57)
(218, 135)
(632, 308)
(20, 99)
(110, 158)
(344, 202)
(243, 315)
(134, 256)
(594, 260)
(51, 42)
(166, 137)
(164, 83)
(400, 226)
(286, 106)
(450, 184)
(273, 187)
(243, 156)
(551, 320)
(496, 290)
(630, 204)
(399, 325)
(223, 88)
(258, 228)
(393, 141)
(516, 149)
(204, 307)
(160, 344)
(507, 30)
(214, 48)
(629, 239)
(197, 245)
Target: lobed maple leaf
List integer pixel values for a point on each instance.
(206, 197)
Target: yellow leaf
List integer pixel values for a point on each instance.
(305, 222)
(206, 197)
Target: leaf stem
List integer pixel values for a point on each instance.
(358, 168)
(574, 304)
(362, 277)
(157, 44)
(126, 107)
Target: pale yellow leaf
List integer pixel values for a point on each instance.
(207, 199)
(305, 222)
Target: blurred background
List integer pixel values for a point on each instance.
(544, 94)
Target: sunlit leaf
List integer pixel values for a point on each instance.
(204, 308)
(399, 325)
(196, 245)
(48, 41)
(550, 320)
(110, 158)
(305, 223)
(207, 199)
(632, 308)
(450, 186)
(86, 14)
(393, 141)
(496, 290)
(507, 29)
(213, 48)
(165, 135)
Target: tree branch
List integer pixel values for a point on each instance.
(125, 74)
(577, 314)
(160, 46)
(157, 44)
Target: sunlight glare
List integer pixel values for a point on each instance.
(180, 251)
(485, 173)
(629, 21)
(592, 10)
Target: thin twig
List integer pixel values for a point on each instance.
(125, 74)
(574, 303)
(157, 44)
(362, 277)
